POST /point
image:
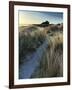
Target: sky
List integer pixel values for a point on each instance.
(37, 17)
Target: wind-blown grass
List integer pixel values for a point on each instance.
(52, 60)
(51, 64)
(29, 43)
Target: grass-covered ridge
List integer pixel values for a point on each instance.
(32, 37)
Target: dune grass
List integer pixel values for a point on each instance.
(51, 64)
(52, 60)
(29, 43)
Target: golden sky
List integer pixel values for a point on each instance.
(36, 17)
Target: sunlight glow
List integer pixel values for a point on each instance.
(36, 17)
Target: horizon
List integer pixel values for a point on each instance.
(37, 17)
